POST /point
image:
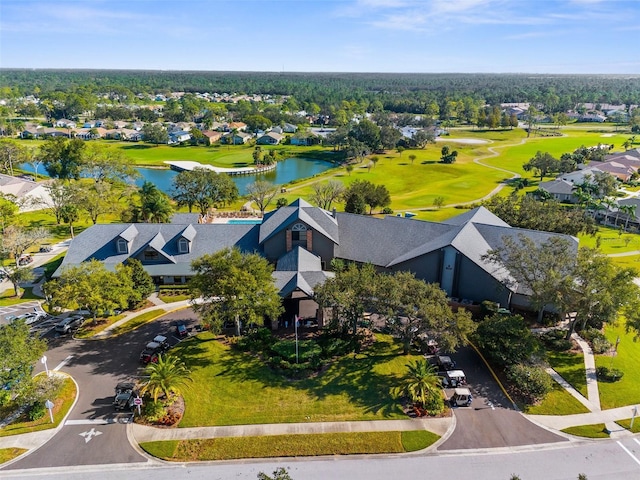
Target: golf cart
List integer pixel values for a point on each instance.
(125, 394)
(461, 398)
(453, 379)
(445, 363)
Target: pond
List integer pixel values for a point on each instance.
(286, 171)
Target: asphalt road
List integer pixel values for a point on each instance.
(491, 421)
(601, 460)
(97, 366)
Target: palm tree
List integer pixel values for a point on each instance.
(421, 382)
(167, 376)
(630, 211)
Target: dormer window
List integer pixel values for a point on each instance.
(122, 246)
(183, 245)
(299, 232)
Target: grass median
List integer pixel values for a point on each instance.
(63, 401)
(138, 321)
(7, 454)
(235, 388)
(596, 430)
(303, 445)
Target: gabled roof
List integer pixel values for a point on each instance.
(299, 259)
(477, 215)
(558, 187)
(316, 218)
(288, 282)
(189, 233)
(129, 233)
(157, 243)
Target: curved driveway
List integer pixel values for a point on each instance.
(94, 434)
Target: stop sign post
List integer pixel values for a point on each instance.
(138, 402)
(43, 360)
(49, 406)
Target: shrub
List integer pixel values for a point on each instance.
(555, 340)
(153, 411)
(387, 210)
(506, 339)
(37, 411)
(609, 374)
(597, 340)
(530, 383)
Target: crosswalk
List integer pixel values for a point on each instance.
(632, 448)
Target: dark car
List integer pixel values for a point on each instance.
(69, 324)
(45, 248)
(125, 395)
(181, 330)
(153, 350)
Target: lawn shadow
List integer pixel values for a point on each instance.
(136, 147)
(428, 162)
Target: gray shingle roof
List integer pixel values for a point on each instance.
(299, 259)
(314, 217)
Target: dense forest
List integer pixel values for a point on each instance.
(410, 93)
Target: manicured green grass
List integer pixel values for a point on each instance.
(557, 402)
(8, 298)
(235, 388)
(7, 454)
(62, 403)
(90, 329)
(52, 265)
(138, 321)
(570, 366)
(415, 440)
(588, 431)
(627, 390)
(611, 240)
(627, 424)
(173, 298)
(289, 445)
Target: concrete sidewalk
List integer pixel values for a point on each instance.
(142, 433)
(596, 414)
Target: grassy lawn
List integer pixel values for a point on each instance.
(589, 431)
(290, 445)
(7, 454)
(89, 329)
(235, 388)
(627, 424)
(570, 366)
(627, 390)
(557, 402)
(173, 298)
(611, 240)
(62, 404)
(8, 298)
(138, 321)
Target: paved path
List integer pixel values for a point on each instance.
(143, 433)
(596, 414)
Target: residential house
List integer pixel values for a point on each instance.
(27, 194)
(64, 123)
(90, 133)
(560, 189)
(270, 138)
(239, 126)
(301, 241)
(211, 136)
(305, 139)
(179, 136)
(236, 139)
(289, 128)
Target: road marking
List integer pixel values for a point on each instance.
(637, 441)
(89, 421)
(635, 459)
(90, 434)
(63, 363)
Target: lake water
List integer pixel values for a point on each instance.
(286, 171)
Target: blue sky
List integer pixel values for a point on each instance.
(528, 36)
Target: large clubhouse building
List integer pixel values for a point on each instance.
(301, 241)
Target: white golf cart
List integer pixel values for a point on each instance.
(453, 378)
(461, 398)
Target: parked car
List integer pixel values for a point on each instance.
(45, 248)
(445, 362)
(153, 350)
(32, 317)
(162, 341)
(125, 395)
(69, 324)
(24, 260)
(453, 378)
(181, 330)
(461, 398)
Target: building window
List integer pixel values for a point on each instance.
(183, 245)
(150, 255)
(299, 232)
(122, 246)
